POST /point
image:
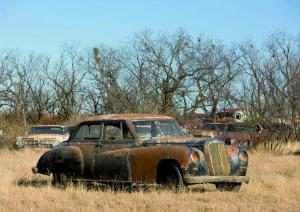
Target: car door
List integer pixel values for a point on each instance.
(86, 137)
(112, 155)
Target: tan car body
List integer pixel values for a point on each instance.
(44, 139)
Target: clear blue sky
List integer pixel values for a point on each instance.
(44, 25)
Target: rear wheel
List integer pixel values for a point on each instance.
(228, 186)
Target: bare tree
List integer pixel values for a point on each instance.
(16, 94)
(169, 60)
(67, 79)
(141, 93)
(104, 72)
(211, 84)
(5, 75)
(39, 91)
(271, 76)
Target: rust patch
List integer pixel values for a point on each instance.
(232, 150)
(145, 160)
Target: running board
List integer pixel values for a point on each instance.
(215, 179)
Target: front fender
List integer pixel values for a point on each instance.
(197, 163)
(238, 158)
(69, 157)
(144, 161)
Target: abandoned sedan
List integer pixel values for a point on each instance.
(43, 136)
(139, 149)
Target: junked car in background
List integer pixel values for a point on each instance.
(232, 133)
(208, 130)
(143, 149)
(241, 135)
(43, 136)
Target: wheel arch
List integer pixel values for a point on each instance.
(162, 165)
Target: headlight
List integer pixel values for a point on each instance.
(195, 157)
(54, 144)
(20, 142)
(57, 142)
(243, 156)
(233, 142)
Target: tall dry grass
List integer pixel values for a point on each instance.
(274, 186)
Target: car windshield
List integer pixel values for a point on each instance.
(147, 129)
(46, 130)
(220, 127)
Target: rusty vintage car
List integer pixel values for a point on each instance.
(240, 134)
(143, 149)
(43, 136)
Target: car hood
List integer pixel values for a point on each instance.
(176, 140)
(239, 136)
(48, 136)
(205, 132)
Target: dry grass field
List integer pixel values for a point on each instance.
(274, 186)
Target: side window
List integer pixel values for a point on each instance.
(112, 131)
(91, 132)
(116, 131)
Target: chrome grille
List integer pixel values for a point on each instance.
(217, 159)
(40, 142)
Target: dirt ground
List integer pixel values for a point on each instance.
(274, 186)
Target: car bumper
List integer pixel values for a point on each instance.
(34, 170)
(215, 179)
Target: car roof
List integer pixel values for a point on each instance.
(228, 123)
(48, 126)
(128, 117)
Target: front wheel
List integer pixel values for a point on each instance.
(61, 179)
(172, 178)
(228, 186)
